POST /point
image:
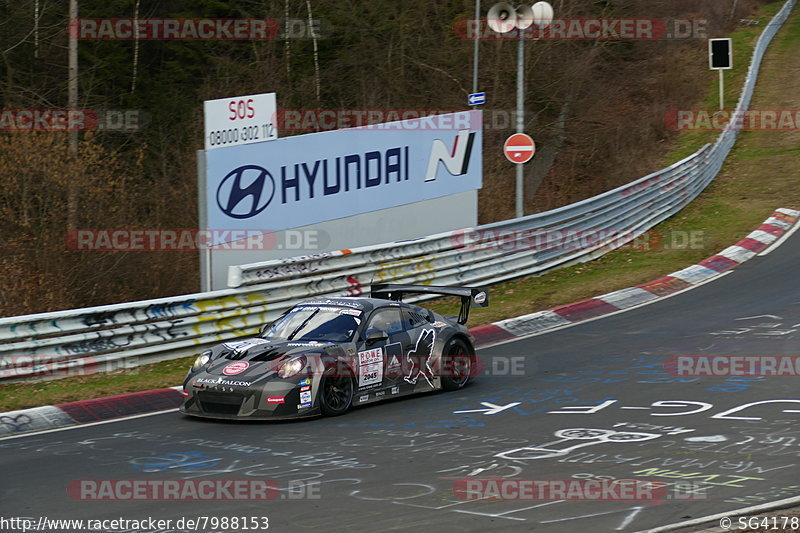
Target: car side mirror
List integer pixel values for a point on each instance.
(264, 329)
(376, 335)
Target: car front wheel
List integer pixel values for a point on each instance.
(336, 392)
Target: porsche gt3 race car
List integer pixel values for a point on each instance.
(325, 355)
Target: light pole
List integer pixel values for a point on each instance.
(520, 181)
(72, 104)
(504, 18)
(476, 47)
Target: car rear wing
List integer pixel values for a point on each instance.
(470, 296)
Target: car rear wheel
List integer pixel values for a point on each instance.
(456, 365)
(336, 392)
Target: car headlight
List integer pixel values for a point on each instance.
(201, 360)
(292, 367)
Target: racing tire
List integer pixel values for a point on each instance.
(456, 364)
(336, 392)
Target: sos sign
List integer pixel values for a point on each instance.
(240, 120)
(241, 109)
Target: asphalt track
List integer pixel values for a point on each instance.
(393, 466)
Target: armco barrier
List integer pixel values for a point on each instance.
(80, 341)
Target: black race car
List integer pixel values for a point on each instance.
(324, 355)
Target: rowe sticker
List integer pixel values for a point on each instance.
(370, 367)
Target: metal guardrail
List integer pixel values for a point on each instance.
(80, 341)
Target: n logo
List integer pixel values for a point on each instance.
(456, 161)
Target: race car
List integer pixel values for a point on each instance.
(325, 355)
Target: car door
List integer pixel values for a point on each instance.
(418, 364)
(379, 359)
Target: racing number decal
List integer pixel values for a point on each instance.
(370, 367)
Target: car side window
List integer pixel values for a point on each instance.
(414, 319)
(386, 320)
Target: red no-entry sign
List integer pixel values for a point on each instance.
(519, 148)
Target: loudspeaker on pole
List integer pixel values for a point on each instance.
(502, 17)
(542, 14)
(525, 17)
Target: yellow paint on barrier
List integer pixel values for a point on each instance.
(219, 303)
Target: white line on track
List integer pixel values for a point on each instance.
(771, 506)
(78, 426)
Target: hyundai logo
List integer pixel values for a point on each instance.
(245, 191)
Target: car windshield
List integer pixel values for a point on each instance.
(311, 323)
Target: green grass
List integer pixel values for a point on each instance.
(743, 41)
(759, 176)
(145, 377)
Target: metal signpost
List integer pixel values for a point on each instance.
(503, 18)
(720, 58)
(230, 122)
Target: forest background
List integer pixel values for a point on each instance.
(595, 107)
